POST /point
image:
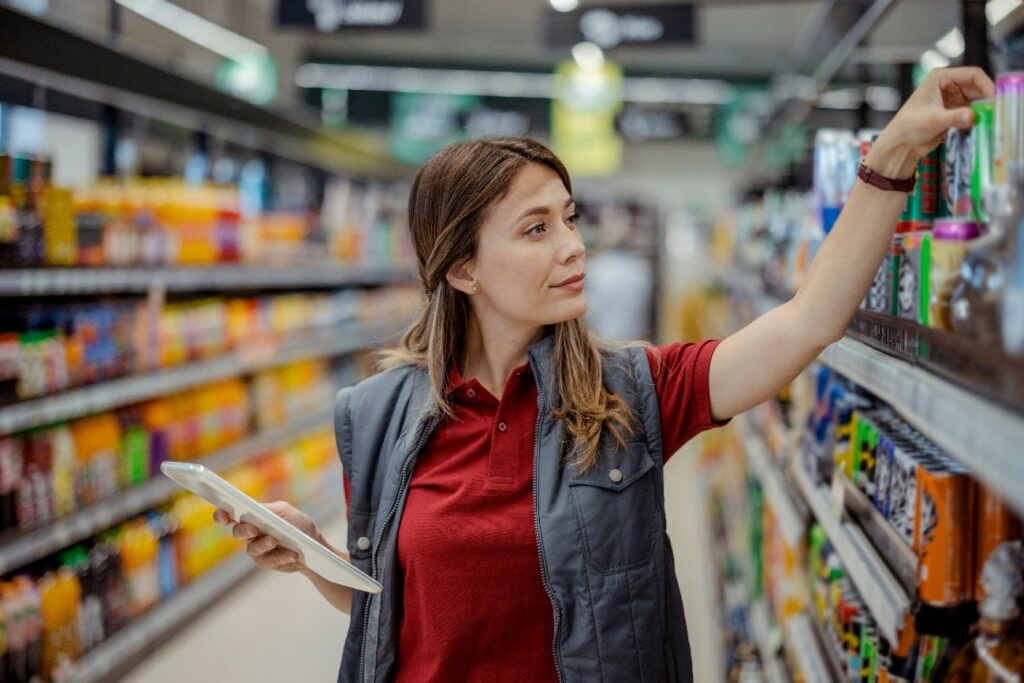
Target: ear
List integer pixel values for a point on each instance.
(461, 278)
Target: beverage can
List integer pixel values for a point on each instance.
(957, 163)
(913, 298)
(923, 203)
(1009, 125)
(950, 238)
(945, 508)
(984, 152)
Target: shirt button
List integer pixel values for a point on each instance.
(502, 427)
(615, 476)
(363, 543)
(470, 393)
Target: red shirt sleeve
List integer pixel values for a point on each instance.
(681, 378)
(348, 491)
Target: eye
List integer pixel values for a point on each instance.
(571, 220)
(535, 230)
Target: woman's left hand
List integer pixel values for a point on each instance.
(941, 102)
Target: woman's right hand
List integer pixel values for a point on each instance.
(263, 548)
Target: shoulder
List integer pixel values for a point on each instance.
(377, 391)
(629, 363)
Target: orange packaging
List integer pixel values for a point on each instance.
(945, 514)
(97, 440)
(996, 525)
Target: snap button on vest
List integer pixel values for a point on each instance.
(363, 543)
(615, 476)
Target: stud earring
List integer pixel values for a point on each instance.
(476, 288)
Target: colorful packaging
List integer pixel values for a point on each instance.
(923, 203)
(945, 509)
(984, 156)
(1009, 120)
(950, 238)
(914, 298)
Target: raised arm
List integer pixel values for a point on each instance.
(753, 364)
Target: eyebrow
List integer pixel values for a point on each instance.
(538, 210)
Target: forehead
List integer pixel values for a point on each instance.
(534, 185)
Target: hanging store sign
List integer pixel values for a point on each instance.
(631, 25)
(583, 119)
(330, 16)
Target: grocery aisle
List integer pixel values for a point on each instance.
(272, 628)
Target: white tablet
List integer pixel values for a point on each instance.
(207, 485)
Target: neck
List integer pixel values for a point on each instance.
(494, 348)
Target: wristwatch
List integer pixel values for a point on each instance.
(878, 180)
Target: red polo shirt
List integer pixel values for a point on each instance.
(475, 608)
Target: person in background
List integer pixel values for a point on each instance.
(504, 473)
(620, 281)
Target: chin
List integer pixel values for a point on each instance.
(569, 311)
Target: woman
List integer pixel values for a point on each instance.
(504, 476)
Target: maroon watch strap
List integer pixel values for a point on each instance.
(878, 180)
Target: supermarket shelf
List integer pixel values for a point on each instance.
(882, 592)
(768, 639)
(82, 281)
(899, 556)
(94, 70)
(804, 646)
(130, 645)
(124, 391)
(27, 547)
(791, 522)
(983, 436)
(831, 655)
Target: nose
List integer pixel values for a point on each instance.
(572, 247)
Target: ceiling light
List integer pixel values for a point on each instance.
(951, 44)
(195, 28)
(501, 83)
(588, 56)
(565, 5)
(933, 59)
(996, 10)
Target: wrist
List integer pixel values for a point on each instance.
(891, 161)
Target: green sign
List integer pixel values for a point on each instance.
(423, 124)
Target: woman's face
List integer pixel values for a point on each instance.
(530, 258)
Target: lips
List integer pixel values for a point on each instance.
(568, 281)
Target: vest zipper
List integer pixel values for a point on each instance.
(541, 404)
(426, 429)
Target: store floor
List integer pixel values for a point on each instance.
(277, 628)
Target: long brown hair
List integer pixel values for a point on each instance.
(449, 201)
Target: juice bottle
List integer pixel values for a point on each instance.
(11, 471)
(134, 449)
(156, 417)
(64, 466)
(97, 440)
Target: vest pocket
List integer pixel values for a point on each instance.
(616, 510)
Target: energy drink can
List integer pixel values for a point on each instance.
(984, 153)
(915, 276)
(1009, 119)
(903, 488)
(945, 507)
(957, 168)
(866, 452)
(883, 473)
(869, 654)
(923, 203)
(996, 524)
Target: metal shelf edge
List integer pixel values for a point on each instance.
(125, 646)
(880, 590)
(792, 523)
(982, 435)
(134, 388)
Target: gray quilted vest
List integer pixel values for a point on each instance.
(604, 553)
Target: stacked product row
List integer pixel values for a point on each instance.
(52, 472)
(58, 610)
(170, 222)
(47, 348)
